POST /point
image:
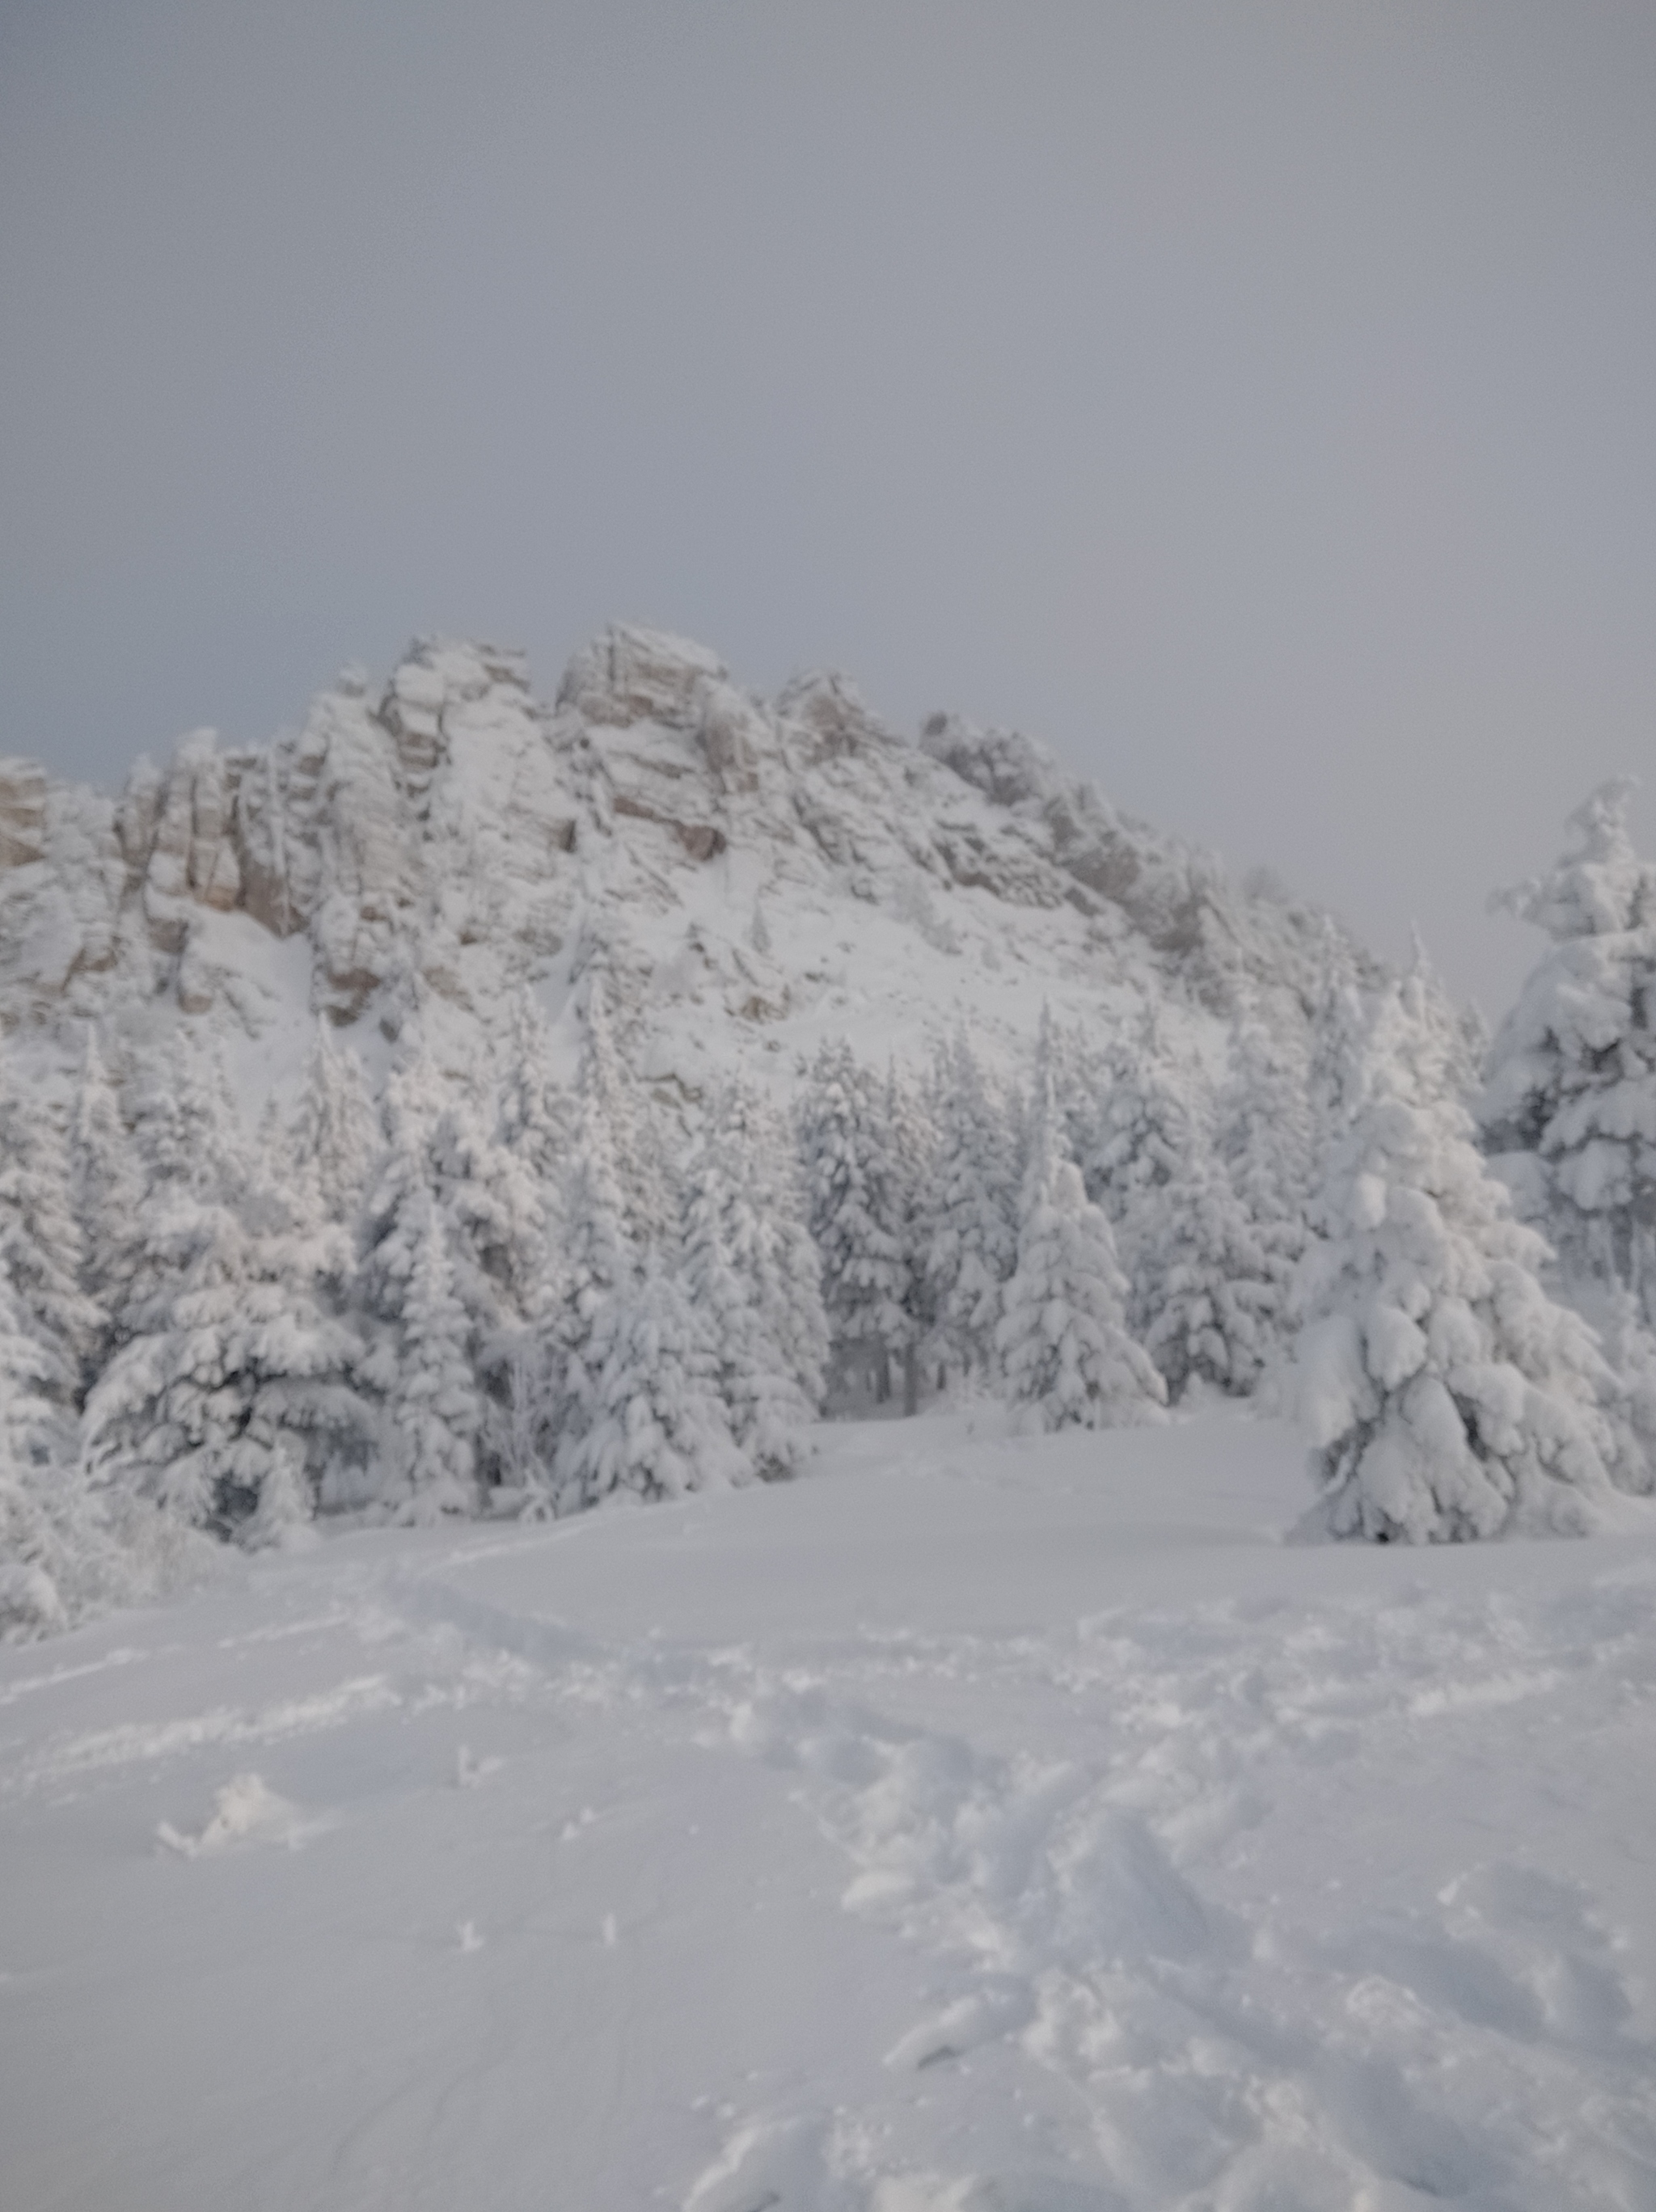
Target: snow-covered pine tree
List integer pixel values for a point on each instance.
(41, 1247)
(857, 1217)
(1150, 1171)
(394, 1210)
(1459, 1037)
(1265, 1138)
(969, 1213)
(729, 1274)
(656, 1424)
(771, 1243)
(337, 1135)
(536, 1139)
(434, 1410)
(610, 1097)
(1339, 1022)
(1065, 1352)
(1446, 1396)
(497, 1223)
(910, 1139)
(38, 1546)
(1206, 1286)
(232, 1389)
(537, 1113)
(1569, 1107)
(107, 1184)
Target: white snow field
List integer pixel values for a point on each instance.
(970, 1826)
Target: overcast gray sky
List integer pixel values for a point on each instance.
(1258, 402)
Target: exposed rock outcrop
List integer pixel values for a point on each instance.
(450, 840)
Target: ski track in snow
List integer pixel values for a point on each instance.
(1094, 1843)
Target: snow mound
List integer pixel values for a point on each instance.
(246, 1810)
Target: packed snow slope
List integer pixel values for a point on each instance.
(969, 1826)
(750, 876)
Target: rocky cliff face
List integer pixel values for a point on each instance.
(751, 874)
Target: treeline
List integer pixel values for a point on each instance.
(497, 1294)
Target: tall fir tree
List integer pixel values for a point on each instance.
(434, 1410)
(37, 1535)
(41, 1244)
(336, 1135)
(1569, 1107)
(1065, 1352)
(233, 1388)
(1446, 1396)
(732, 1278)
(968, 1213)
(858, 1218)
(656, 1424)
(107, 1184)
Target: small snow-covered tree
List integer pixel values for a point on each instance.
(107, 1185)
(858, 1216)
(610, 1098)
(496, 1220)
(771, 1242)
(537, 1113)
(968, 1225)
(1250, 1204)
(336, 1136)
(1065, 1352)
(38, 1535)
(1446, 1395)
(1151, 1170)
(234, 1389)
(1569, 1107)
(434, 1410)
(656, 1424)
(1206, 1287)
(732, 1276)
(42, 1245)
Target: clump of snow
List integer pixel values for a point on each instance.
(245, 1810)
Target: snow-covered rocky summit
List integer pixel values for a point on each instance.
(753, 875)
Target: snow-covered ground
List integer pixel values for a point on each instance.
(971, 1825)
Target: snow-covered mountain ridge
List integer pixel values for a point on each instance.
(752, 875)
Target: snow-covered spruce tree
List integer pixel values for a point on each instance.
(233, 1388)
(1065, 1353)
(1569, 1106)
(547, 1394)
(771, 1244)
(434, 1410)
(1446, 1396)
(909, 1138)
(610, 1097)
(1339, 1021)
(496, 1219)
(537, 1138)
(858, 1218)
(729, 1269)
(428, 1299)
(1266, 1150)
(41, 1247)
(1150, 1170)
(336, 1135)
(656, 1424)
(107, 1185)
(40, 1553)
(393, 1211)
(969, 1213)
(537, 1113)
(1205, 1286)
